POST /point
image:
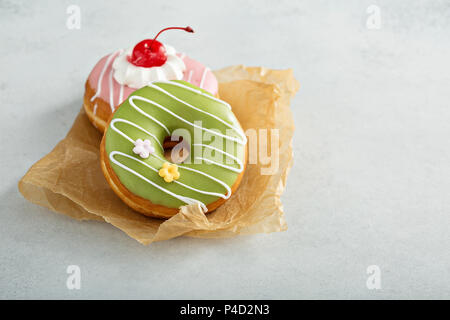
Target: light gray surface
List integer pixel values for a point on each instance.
(371, 179)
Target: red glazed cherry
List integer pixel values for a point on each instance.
(151, 53)
(148, 53)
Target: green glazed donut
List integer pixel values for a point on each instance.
(133, 158)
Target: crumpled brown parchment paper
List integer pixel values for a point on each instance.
(69, 180)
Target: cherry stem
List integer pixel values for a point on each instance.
(187, 29)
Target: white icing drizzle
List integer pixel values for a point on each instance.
(203, 77)
(113, 126)
(202, 111)
(239, 162)
(102, 74)
(174, 83)
(226, 196)
(186, 200)
(121, 93)
(123, 134)
(132, 98)
(111, 96)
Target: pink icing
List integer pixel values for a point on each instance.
(195, 73)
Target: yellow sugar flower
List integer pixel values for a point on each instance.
(169, 172)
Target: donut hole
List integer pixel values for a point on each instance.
(176, 149)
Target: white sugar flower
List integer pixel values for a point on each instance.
(143, 148)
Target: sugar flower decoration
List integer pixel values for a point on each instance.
(169, 172)
(143, 148)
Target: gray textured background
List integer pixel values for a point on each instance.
(371, 179)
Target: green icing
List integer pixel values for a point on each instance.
(137, 185)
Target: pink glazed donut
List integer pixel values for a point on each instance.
(120, 73)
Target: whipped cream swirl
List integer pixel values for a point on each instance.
(136, 77)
